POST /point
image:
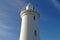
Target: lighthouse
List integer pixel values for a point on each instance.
(29, 24)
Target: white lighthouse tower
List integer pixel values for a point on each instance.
(29, 25)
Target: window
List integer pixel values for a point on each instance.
(34, 17)
(35, 33)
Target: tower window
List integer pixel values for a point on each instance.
(35, 33)
(34, 17)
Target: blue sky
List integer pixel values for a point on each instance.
(49, 21)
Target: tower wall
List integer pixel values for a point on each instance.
(29, 26)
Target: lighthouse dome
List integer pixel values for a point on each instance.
(30, 7)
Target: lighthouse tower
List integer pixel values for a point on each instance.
(29, 25)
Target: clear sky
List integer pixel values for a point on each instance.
(49, 21)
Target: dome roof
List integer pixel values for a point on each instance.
(30, 7)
